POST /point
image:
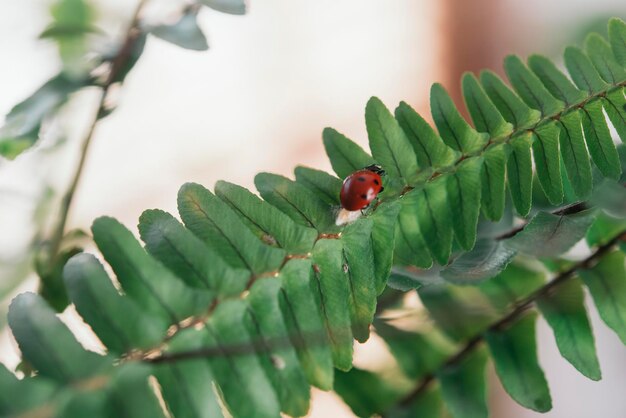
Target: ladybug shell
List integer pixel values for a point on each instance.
(359, 189)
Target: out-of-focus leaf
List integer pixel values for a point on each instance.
(488, 258)
(610, 196)
(428, 404)
(19, 396)
(617, 38)
(548, 235)
(564, 309)
(604, 229)
(514, 353)
(234, 7)
(607, 283)
(185, 33)
(516, 282)
(365, 392)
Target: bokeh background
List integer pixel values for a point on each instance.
(258, 101)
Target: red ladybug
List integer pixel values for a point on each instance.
(361, 187)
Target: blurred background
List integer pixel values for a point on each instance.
(258, 101)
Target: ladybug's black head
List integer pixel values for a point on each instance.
(375, 168)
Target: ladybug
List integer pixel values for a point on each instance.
(360, 188)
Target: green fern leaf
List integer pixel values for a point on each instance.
(555, 81)
(434, 219)
(493, 183)
(519, 171)
(345, 156)
(383, 240)
(510, 106)
(464, 189)
(325, 186)
(615, 106)
(583, 72)
(547, 161)
(484, 113)
(574, 152)
(599, 51)
(488, 258)
(410, 246)
(18, 396)
(599, 140)
(617, 39)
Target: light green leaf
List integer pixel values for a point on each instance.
(564, 309)
(555, 81)
(484, 113)
(185, 33)
(358, 258)
(508, 103)
(582, 71)
(601, 56)
(574, 152)
(390, 147)
(614, 104)
(265, 221)
(143, 279)
(547, 161)
(617, 38)
(187, 256)
(599, 140)
(519, 171)
(247, 390)
(464, 388)
(334, 289)
(279, 358)
(47, 344)
(410, 246)
(325, 186)
(463, 187)
(215, 223)
(514, 353)
(345, 156)
(488, 258)
(434, 219)
(116, 320)
(383, 238)
(429, 148)
(530, 89)
(454, 130)
(492, 182)
(301, 306)
(607, 284)
(548, 235)
(234, 7)
(187, 386)
(301, 204)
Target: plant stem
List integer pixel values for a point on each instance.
(117, 62)
(505, 321)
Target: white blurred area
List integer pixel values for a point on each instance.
(258, 100)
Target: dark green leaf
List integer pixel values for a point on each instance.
(428, 404)
(464, 388)
(429, 148)
(383, 238)
(555, 81)
(530, 89)
(454, 130)
(574, 152)
(599, 140)
(116, 320)
(302, 312)
(604, 229)
(130, 395)
(410, 246)
(463, 187)
(17, 396)
(334, 289)
(610, 196)
(547, 161)
(614, 104)
(345, 156)
(582, 71)
(143, 279)
(48, 344)
(492, 182)
(187, 256)
(508, 103)
(325, 186)
(617, 38)
(185, 33)
(390, 146)
(520, 173)
(601, 55)
(214, 222)
(548, 235)
(516, 282)
(607, 283)
(485, 115)
(301, 204)
(564, 309)
(265, 221)
(234, 7)
(434, 219)
(488, 258)
(514, 353)
(365, 392)
(279, 358)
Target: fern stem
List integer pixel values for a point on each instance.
(520, 307)
(117, 63)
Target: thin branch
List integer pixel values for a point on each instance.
(117, 63)
(505, 321)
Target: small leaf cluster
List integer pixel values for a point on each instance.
(239, 308)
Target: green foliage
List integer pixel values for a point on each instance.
(239, 308)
